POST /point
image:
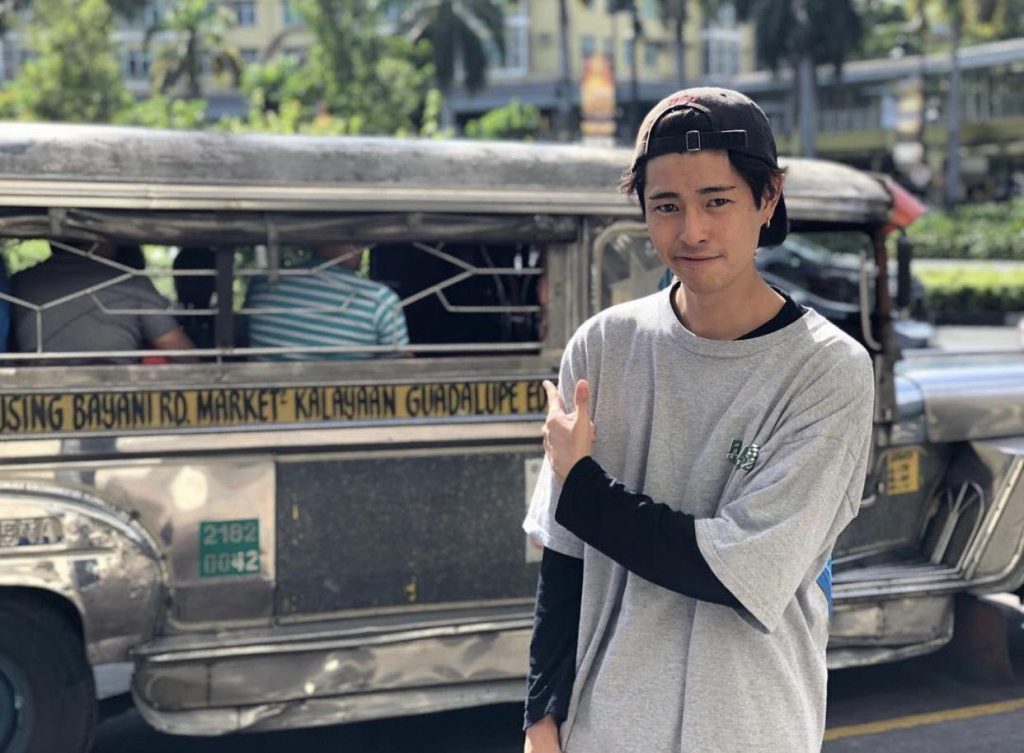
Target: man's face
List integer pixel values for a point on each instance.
(703, 221)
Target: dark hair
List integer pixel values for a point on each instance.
(761, 177)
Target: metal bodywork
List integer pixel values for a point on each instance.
(389, 574)
(96, 558)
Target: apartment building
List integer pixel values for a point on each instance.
(716, 50)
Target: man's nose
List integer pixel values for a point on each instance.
(694, 228)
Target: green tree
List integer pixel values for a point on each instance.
(804, 34)
(191, 33)
(516, 121)
(357, 80)
(75, 76)
(459, 32)
(161, 111)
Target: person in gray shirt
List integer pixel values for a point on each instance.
(705, 447)
(94, 321)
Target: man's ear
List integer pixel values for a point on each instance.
(771, 196)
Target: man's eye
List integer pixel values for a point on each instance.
(719, 202)
(665, 208)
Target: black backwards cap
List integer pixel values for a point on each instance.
(711, 118)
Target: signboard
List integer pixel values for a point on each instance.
(903, 472)
(225, 407)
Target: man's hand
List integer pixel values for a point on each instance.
(568, 437)
(542, 737)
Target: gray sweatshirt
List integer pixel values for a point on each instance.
(766, 442)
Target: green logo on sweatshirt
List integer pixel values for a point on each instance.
(743, 457)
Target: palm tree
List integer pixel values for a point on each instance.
(804, 34)
(982, 17)
(633, 9)
(674, 15)
(197, 31)
(458, 31)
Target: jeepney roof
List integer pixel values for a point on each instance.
(108, 167)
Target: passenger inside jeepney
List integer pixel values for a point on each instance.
(85, 311)
(196, 293)
(332, 308)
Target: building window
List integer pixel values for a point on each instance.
(721, 44)
(517, 48)
(290, 13)
(299, 53)
(588, 46)
(627, 51)
(651, 50)
(250, 55)
(245, 13)
(136, 64)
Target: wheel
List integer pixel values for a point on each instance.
(47, 691)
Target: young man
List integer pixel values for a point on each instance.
(708, 446)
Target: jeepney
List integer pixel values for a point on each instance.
(277, 543)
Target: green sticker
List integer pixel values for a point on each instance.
(229, 547)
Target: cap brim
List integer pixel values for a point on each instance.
(778, 229)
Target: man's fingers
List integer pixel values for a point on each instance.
(582, 400)
(555, 403)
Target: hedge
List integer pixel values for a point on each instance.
(973, 231)
(961, 294)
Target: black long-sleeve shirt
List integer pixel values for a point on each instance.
(648, 538)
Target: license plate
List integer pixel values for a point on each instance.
(15, 532)
(229, 548)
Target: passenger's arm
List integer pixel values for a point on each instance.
(176, 339)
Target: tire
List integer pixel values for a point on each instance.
(47, 690)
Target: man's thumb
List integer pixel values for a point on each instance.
(581, 400)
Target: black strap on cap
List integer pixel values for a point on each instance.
(695, 141)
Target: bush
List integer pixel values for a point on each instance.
(965, 294)
(515, 120)
(973, 231)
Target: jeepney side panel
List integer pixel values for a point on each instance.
(72, 544)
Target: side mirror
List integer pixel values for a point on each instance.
(904, 253)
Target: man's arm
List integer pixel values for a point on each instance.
(553, 649)
(176, 339)
(645, 537)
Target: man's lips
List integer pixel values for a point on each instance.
(695, 259)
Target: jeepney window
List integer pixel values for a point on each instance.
(472, 295)
(429, 298)
(829, 271)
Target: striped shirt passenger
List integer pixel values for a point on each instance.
(358, 312)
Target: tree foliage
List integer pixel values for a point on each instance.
(514, 121)
(829, 31)
(75, 75)
(190, 34)
(459, 32)
(357, 79)
(161, 111)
